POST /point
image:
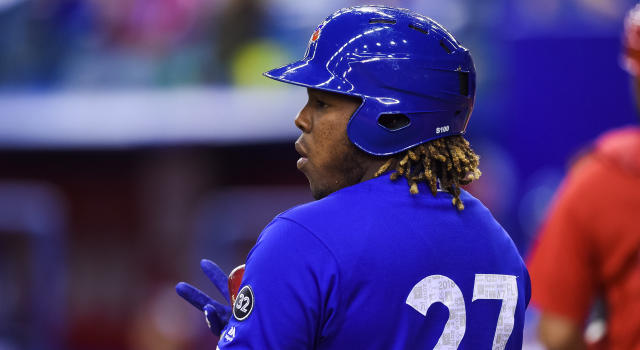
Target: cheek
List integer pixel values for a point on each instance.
(332, 143)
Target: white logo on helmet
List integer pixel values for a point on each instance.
(442, 129)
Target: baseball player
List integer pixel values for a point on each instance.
(393, 254)
(589, 246)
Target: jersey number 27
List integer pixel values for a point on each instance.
(439, 288)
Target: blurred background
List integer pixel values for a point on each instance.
(138, 136)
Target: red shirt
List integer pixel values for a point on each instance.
(590, 242)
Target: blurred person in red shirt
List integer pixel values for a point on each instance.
(589, 246)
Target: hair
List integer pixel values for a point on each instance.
(447, 162)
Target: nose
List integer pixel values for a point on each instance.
(303, 120)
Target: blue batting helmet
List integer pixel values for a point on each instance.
(416, 82)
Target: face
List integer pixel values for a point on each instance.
(329, 160)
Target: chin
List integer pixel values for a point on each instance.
(319, 193)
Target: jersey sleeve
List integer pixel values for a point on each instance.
(561, 263)
(289, 292)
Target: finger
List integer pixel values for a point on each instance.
(223, 312)
(216, 316)
(217, 277)
(209, 313)
(194, 296)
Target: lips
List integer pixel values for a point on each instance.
(300, 149)
(303, 153)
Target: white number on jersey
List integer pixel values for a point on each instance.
(499, 287)
(438, 288)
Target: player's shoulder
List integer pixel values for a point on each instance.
(285, 242)
(284, 229)
(620, 147)
(314, 219)
(621, 139)
(377, 198)
(613, 155)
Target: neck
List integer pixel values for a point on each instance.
(371, 168)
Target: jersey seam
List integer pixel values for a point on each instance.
(335, 258)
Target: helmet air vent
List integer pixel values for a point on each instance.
(421, 30)
(445, 46)
(393, 122)
(463, 77)
(382, 20)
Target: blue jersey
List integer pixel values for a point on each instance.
(373, 267)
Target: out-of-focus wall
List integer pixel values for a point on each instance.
(93, 241)
(139, 136)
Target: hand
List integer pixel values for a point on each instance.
(217, 315)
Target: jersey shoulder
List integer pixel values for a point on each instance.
(621, 147)
(291, 284)
(381, 199)
(379, 214)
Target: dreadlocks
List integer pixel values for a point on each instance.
(449, 162)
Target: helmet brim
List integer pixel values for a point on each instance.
(307, 74)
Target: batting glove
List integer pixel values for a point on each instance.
(217, 315)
